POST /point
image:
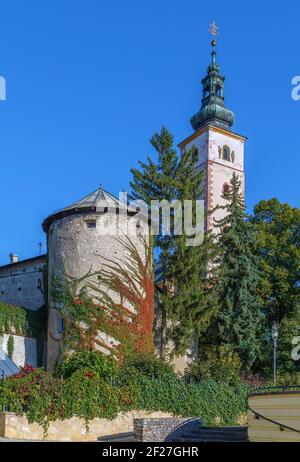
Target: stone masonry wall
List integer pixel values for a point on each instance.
(22, 283)
(162, 429)
(74, 429)
(75, 248)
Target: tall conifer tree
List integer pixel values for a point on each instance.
(236, 268)
(175, 177)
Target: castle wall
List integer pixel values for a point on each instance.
(75, 248)
(22, 283)
(25, 349)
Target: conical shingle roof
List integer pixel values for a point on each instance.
(98, 201)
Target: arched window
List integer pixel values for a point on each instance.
(226, 153)
(206, 92)
(218, 90)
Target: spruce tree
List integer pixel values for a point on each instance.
(237, 277)
(175, 177)
(156, 180)
(187, 307)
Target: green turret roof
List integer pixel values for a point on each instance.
(213, 110)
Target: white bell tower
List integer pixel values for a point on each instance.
(220, 150)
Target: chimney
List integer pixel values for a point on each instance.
(13, 257)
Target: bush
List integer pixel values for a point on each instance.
(214, 403)
(149, 366)
(288, 379)
(44, 397)
(36, 394)
(90, 385)
(106, 366)
(221, 364)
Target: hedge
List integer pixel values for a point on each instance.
(44, 397)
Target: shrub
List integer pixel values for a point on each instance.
(214, 403)
(36, 394)
(221, 364)
(148, 365)
(106, 366)
(87, 395)
(288, 379)
(253, 380)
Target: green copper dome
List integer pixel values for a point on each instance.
(213, 110)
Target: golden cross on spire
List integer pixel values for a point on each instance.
(213, 28)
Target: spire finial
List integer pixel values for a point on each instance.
(213, 110)
(213, 28)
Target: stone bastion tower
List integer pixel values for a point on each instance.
(220, 150)
(79, 239)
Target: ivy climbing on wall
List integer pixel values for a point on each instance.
(15, 320)
(10, 346)
(111, 309)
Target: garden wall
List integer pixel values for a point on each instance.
(74, 429)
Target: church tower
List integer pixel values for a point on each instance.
(220, 150)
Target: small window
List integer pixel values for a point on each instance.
(19, 289)
(91, 224)
(2, 292)
(60, 325)
(226, 153)
(39, 284)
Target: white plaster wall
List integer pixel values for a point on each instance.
(218, 171)
(208, 144)
(25, 350)
(28, 277)
(217, 140)
(201, 143)
(220, 175)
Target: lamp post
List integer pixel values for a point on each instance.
(274, 338)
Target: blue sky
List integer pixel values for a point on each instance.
(88, 82)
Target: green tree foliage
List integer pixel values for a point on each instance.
(288, 328)
(237, 277)
(278, 231)
(156, 180)
(174, 177)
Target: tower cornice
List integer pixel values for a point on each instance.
(208, 127)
